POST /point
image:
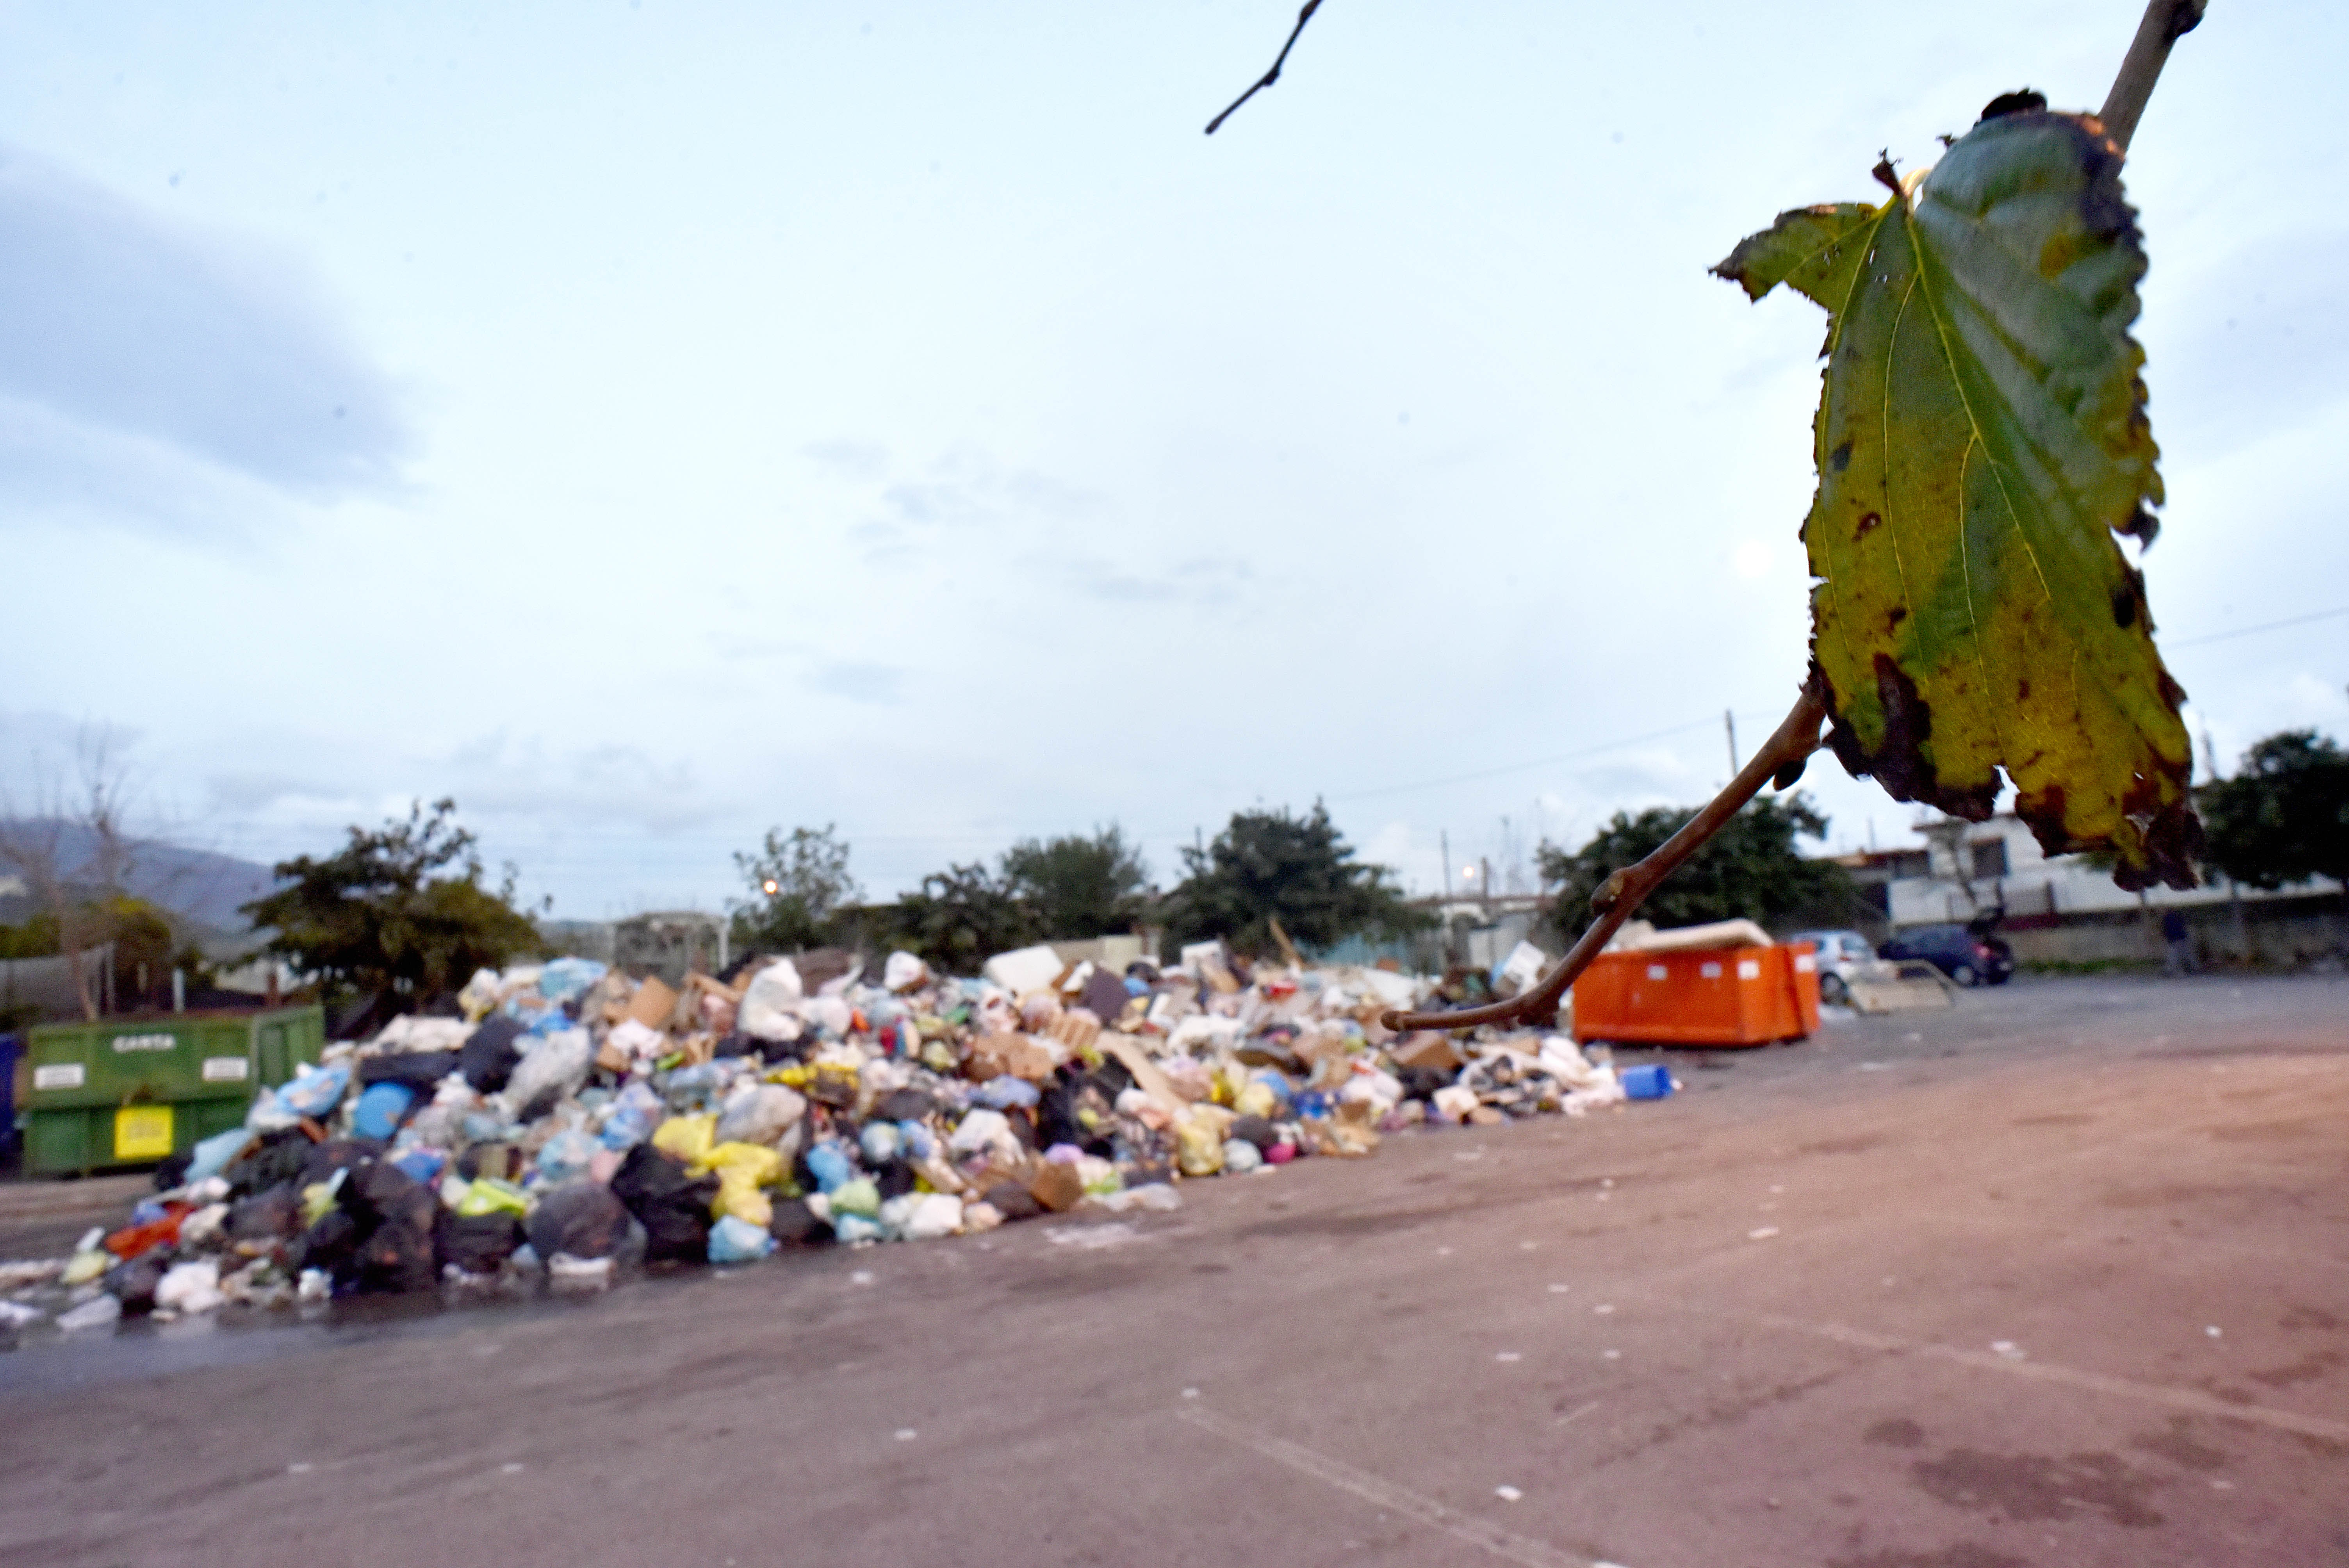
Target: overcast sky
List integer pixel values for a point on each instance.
(648, 423)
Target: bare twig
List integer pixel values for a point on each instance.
(1781, 759)
(1273, 75)
(2166, 22)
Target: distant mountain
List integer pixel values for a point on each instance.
(197, 884)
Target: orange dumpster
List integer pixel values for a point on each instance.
(1702, 996)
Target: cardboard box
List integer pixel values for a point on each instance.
(654, 1004)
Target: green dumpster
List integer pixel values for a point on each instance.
(132, 1091)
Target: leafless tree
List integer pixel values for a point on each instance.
(73, 850)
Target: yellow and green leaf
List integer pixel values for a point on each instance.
(1981, 438)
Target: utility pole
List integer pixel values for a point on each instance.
(1443, 839)
(1729, 723)
(1485, 885)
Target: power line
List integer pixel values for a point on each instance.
(2264, 626)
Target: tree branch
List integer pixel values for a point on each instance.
(2166, 22)
(1780, 760)
(1273, 75)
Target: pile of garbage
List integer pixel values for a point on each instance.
(574, 1121)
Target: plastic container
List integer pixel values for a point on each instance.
(130, 1089)
(1650, 1082)
(1706, 997)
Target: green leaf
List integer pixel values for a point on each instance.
(1980, 438)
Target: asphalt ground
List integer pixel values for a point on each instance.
(2060, 1276)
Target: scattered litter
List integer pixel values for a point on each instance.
(2010, 1349)
(1190, 1393)
(97, 1312)
(1093, 1238)
(1614, 1354)
(1603, 1308)
(1507, 1493)
(510, 1470)
(906, 1434)
(1761, 1235)
(1560, 1289)
(1508, 1355)
(2212, 1331)
(300, 1467)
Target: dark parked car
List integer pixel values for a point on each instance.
(1957, 952)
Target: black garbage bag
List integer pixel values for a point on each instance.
(173, 1170)
(489, 1055)
(894, 1178)
(740, 1045)
(419, 1071)
(673, 1207)
(265, 1216)
(133, 1283)
(397, 1213)
(321, 1160)
(795, 1225)
(272, 1160)
(329, 1244)
(1013, 1201)
(377, 1238)
(1077, 1109)
(1253, 1130)
(580, 1218)
(1420, 1083)
(478, 1244)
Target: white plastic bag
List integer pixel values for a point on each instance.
(762, 1115)
(770, 1009)
(904, 972)
(556, 1061)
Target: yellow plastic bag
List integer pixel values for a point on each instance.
(1198, 1147)
(741, 1169)
(687, 1138)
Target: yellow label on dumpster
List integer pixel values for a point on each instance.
(142, 1132)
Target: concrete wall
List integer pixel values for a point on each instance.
(2294, 931)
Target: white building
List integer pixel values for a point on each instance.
(2063, 907)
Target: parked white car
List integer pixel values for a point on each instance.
(1839, 955)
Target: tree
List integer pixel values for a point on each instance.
(74, 855)
(1079, 886)
(1268, 865)
(2284, 816)
(375, 918)
(962, 916)
(1749, 869)
(799, 886)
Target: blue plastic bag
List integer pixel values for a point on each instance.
(633, 1117)
(1003, 1092)
(564, 1156)
(829, 1166)
(422, 1165)
(210, 1156)
(567, 978)
(380, 1108)
(915, 1141)
(314, 1092)
(735, 1240)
